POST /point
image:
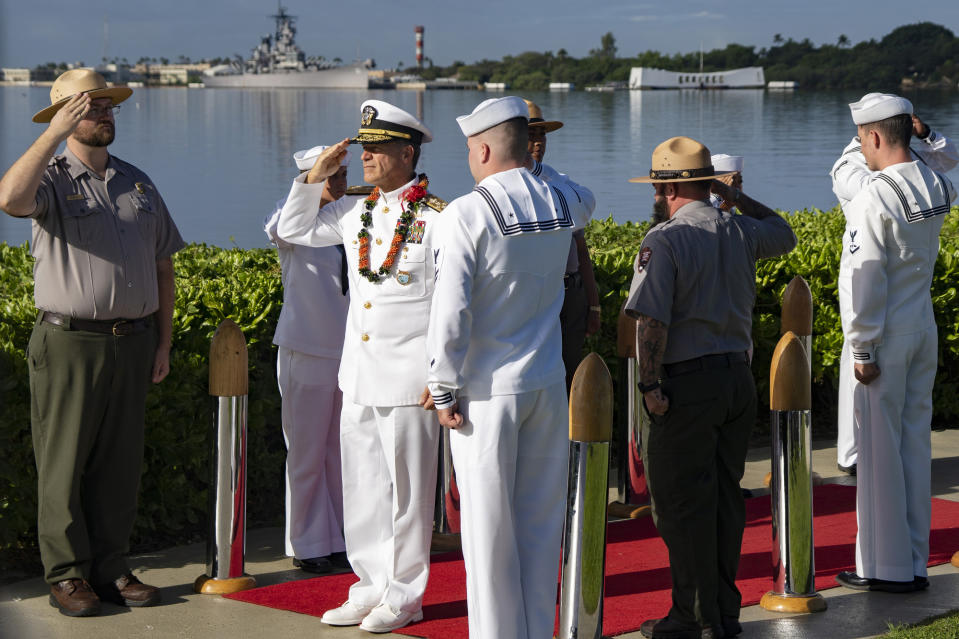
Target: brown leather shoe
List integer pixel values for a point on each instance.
(74, 598)
(129, 591)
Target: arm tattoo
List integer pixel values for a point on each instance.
(650, 347)
(752, 208)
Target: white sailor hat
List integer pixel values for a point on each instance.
(489, 113)
(307, 158)
(874, 107)
(723, 163)
(382, 122)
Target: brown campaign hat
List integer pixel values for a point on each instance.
(77, 81)
(681, 159)
(536, 118)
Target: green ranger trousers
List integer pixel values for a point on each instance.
(695, 456)
(88, 393)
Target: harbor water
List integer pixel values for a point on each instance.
(222, 158)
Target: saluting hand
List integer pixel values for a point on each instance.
(919, 128)
(66, 120)
(328, 162)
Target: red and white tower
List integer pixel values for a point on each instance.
(419, 46)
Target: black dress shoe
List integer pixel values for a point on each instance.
(666, 628)
(339, 561)
(315, 565)
(854, 581)
(731, 626)
(849, 470)
(920, 583)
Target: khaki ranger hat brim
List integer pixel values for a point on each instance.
(681, 159)
(77, 81)
(536, 118)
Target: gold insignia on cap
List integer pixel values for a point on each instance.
(369, 114)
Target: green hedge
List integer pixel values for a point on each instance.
(244, 285)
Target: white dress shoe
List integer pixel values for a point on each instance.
(384, 618)
(349, 614)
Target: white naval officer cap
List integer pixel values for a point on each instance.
(723, 163)
(306, 158)
(382, 122)
(489, 113)
(874, 107)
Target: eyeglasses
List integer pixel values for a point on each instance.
(99, 112)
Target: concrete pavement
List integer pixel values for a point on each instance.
(26, 614)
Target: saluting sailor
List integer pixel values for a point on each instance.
(889, 251)
(388, 442)
(496, 369)
(850, 175)
(309, 337)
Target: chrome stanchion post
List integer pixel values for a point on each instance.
(632, 496)
(446, 512)
(584, 537)
(226, 544)
(790, 401)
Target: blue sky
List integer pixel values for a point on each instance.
(37, 31)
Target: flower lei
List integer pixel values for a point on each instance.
(413, 197)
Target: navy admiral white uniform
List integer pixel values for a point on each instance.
(496, 371)
(850, 175)
(309, 335)
(388, 442)
(890, 247)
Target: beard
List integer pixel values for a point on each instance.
(100, 135)
(660, 212)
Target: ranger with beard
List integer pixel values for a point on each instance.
(103, 241)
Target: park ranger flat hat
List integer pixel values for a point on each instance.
(77, 81)
(681, 159)
(536, 118)
(382, 122)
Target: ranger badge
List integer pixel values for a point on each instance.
(404, 277)
(644, 256)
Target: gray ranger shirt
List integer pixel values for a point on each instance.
(97, 240)
(696, 272)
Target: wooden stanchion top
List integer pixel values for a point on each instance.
(797, 308)
(229, 374)
(790, 387)
(591, 402)
(625, 334)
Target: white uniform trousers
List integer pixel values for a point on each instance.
(845, 418)
(311, 405)
(893, 497)
(389, 494)
(511, 458)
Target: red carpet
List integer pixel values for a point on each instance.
(637, 569)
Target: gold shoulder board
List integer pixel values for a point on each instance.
(435, 203)
(364, 189)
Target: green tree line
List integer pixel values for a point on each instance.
(923, 54)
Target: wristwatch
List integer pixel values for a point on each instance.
(645, 388)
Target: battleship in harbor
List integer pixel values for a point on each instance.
(278, 62)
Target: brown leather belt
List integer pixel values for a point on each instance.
(705, 363)
(108, 327)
